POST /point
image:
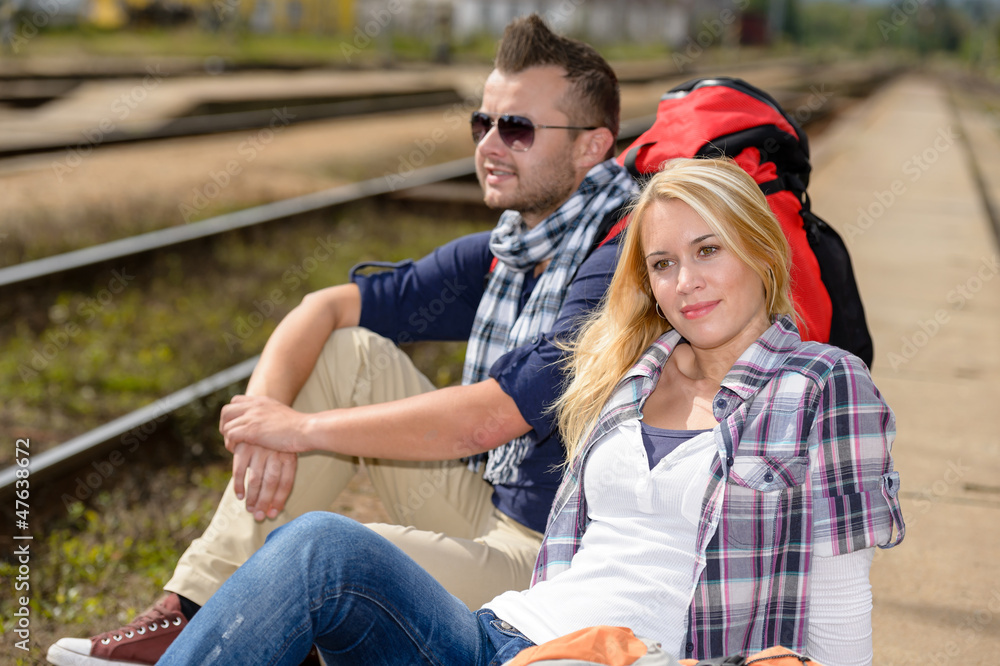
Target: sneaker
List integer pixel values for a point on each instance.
(142, 641)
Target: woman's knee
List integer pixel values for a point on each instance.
(309, 528)
(320, 535)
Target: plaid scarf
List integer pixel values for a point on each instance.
(566, 238)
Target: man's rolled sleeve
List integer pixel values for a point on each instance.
(532, 374)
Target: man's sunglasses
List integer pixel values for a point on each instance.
(517, 132)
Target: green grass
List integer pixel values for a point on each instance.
(137, 333)
(94, 568)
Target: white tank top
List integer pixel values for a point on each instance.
(637, 565)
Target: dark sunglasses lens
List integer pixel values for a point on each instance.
(481, 124)
(517, 132)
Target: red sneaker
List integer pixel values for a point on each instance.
(142, 641)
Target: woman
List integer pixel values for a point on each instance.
(731, 506)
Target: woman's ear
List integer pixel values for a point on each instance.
(592, 147)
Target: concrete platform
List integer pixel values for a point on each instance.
(895, 178)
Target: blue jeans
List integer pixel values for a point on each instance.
(328, 580)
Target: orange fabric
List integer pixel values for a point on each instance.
(790, 660)
(612, 646)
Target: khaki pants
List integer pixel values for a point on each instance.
(443, 514)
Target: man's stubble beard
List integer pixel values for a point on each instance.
(534, 195)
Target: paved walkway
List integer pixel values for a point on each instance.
(895, 179)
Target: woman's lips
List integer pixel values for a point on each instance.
(698, 310)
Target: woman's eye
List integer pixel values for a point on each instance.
(663, 263)
(708, 250)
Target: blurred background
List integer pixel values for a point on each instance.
(176, 175)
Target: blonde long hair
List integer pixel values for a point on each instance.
(626, 323)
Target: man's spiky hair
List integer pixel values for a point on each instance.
(527, 42)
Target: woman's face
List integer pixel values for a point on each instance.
(705, 291)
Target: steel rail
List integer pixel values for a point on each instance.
(278, 210)
(235, 121)
(63, 455)
(248, 217)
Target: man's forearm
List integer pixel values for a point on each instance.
(445, 424)
(291, 351)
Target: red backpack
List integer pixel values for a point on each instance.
(726, 116)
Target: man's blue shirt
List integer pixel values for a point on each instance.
(436, 297)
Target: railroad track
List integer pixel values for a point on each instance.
(214, 116)
(211, 119)
(441, 183)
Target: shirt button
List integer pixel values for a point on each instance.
(689, 647)
(769, 477)
(535, 339)
(729, 461)
(720, 403)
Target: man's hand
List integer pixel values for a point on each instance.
(263, 435)
(265, 477)
(262, 422)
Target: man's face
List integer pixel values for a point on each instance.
(537, 181)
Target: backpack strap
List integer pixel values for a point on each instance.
(615, 230)
(630, 158)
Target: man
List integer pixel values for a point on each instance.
(332, 381)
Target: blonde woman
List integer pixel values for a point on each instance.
(725, 489)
